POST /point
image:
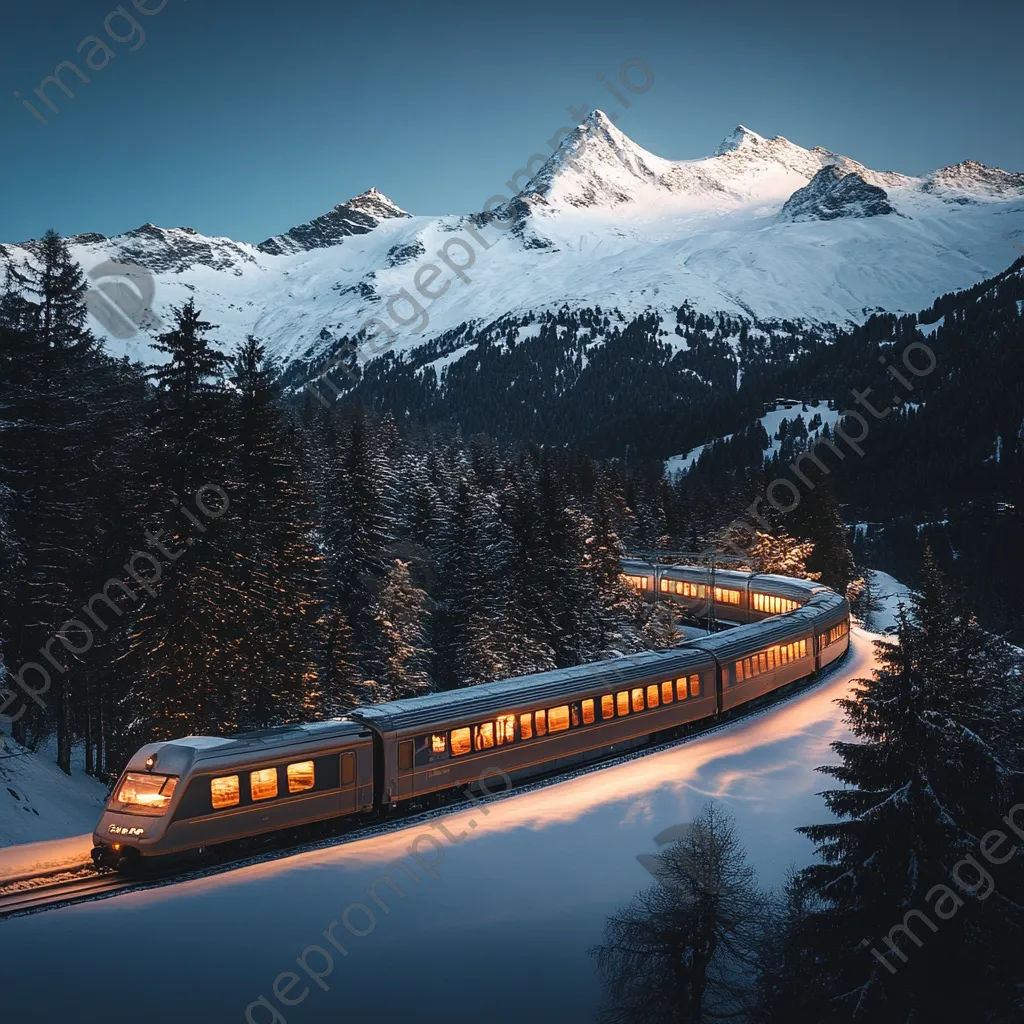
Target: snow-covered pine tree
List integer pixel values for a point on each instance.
(400, 664)
(52, 370)
(274, 570)
(357, 493)
(468, 646)
(934, 767)
(177, 658)
(619, 608)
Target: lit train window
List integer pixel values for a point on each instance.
(681, 689)
(146, 794)
(438, 743)
(694, 686)
(588, 712)
(506, 729)
(483, 736)
(762, 661)
(224, 792)
(622, 703)
(526, 726)
(638, 698)
(541, 722)
(607, 706)
(300, 776)
(638, 582)
(461, 742)
(692, 589)
(666, 692)
(263, 783)
(558, 718)
(664, 586)
(726, 596)
(679, 587)
(652, 695)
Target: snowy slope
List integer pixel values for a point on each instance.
(602, 222)
(39, 802)
(771, 421)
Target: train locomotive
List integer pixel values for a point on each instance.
(182, 798)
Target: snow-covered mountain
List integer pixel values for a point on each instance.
(763, 229)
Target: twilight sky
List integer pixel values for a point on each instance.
(245, 119)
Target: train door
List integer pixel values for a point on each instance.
(347, 776)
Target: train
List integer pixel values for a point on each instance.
(185, 798)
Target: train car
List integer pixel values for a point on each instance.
(768, 595)
(831, 625)
(731, 596)
(538, 723)
(182, 796)
(760, 657)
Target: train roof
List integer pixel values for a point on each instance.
(822, 609)
(476, 702)
(175, 756)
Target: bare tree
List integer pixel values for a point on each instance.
(685, 950)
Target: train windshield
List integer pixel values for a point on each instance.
(143, 794)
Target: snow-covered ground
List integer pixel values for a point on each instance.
(891, 594)
(771, 421)
(494, 928)
(39, 802)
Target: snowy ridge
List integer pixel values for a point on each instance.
(604, 223)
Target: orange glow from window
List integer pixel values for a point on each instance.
(300, 776)
(224, 792)
(263, 783)
(461, 742)
(506, 729)
(558, 718)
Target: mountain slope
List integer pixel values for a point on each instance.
(602, 223)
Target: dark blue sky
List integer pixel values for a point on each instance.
(243, 119)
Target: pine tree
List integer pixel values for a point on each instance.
(181, 643)
(935, 766)
(52, 373)
(273, 569)
(400, 664)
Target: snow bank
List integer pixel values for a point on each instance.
(891, 594)
(38, 802)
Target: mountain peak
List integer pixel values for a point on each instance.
(361, 214)
(372, 199)
(836, 192)
(739, 138)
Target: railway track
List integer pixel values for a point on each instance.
(55, 894)
(61, 894)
